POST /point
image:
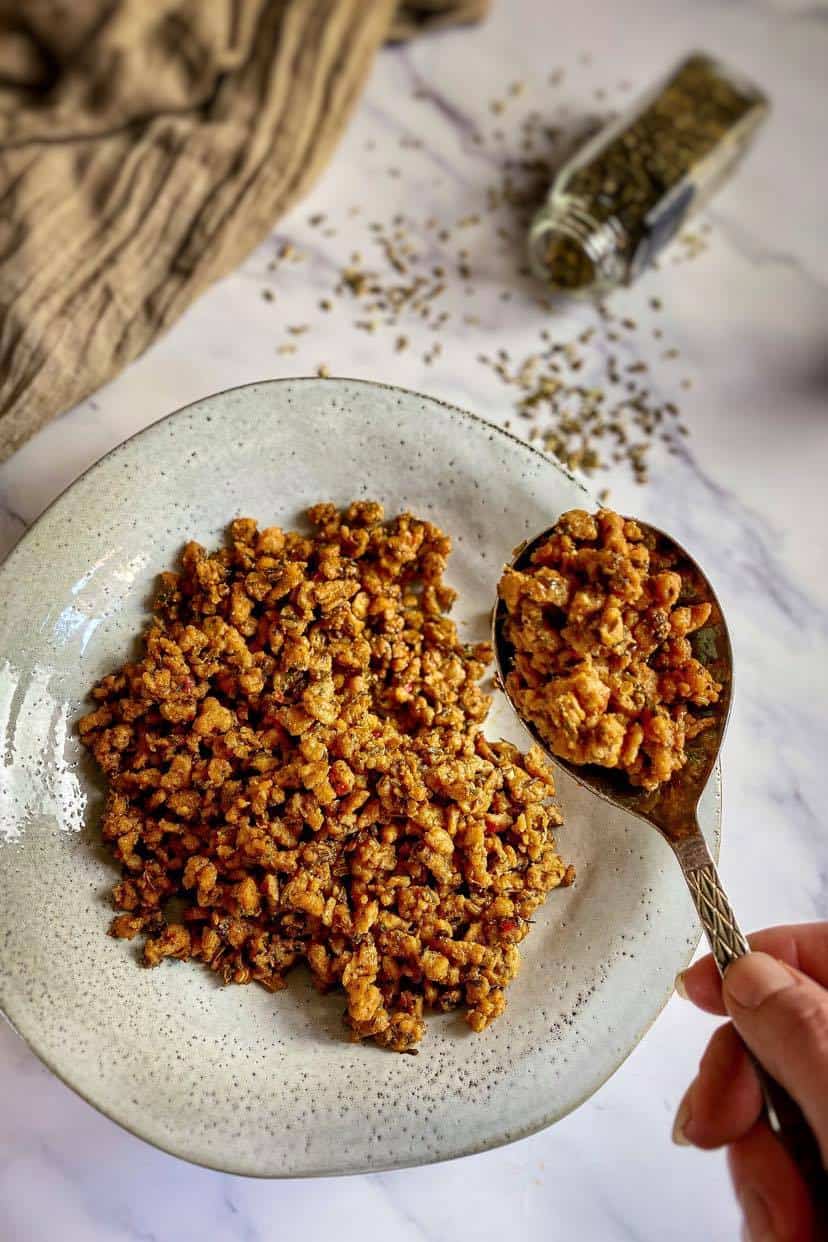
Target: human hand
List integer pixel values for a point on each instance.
(777, 1000)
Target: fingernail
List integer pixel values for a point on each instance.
(682, 1118)
(751, 979)
(758, 1225)
(679, 986)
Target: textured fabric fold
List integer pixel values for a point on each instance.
(145, 149)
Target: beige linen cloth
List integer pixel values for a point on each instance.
(146, 146)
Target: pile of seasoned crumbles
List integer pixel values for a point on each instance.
(298, 755)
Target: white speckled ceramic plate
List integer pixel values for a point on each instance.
(234, 1077)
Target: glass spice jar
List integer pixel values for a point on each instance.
(621, 198)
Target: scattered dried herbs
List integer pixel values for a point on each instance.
(588, 398)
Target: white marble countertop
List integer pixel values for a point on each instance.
(746, 492)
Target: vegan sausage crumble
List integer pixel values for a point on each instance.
(298, 755)
(603, 666)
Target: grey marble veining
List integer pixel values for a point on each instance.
(747, 496)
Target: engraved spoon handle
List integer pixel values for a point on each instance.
(707, 891)
(784, 1115)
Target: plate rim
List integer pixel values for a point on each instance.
(462, 1149)
(285, 379)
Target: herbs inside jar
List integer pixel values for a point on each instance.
(622, 197)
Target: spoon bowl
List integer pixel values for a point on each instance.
(671, 808)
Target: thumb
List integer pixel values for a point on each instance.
(782, 1016)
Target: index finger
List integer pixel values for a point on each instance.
(803, 945)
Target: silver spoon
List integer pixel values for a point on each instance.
(672, 810)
